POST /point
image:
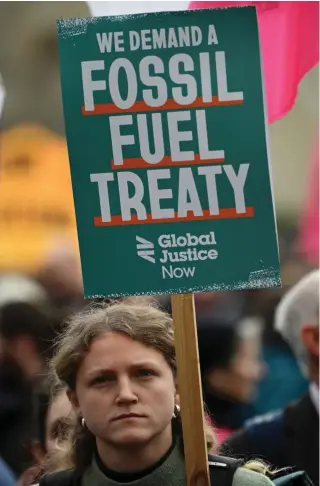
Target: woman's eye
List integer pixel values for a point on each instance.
(102, 379)
(145, 373)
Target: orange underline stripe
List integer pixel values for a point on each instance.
(110, 108)
(225, 213)
(139, 163)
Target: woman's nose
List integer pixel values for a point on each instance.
(126, 393)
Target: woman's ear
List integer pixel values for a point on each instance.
(177, 399)
(74, 401)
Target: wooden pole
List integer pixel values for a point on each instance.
(190, 389)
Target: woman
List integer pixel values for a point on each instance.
(119, 365)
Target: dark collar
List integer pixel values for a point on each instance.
(121, 477)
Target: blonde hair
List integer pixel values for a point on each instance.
(143, 321)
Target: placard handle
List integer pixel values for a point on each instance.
(190, 389)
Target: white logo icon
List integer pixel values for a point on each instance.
(145, 249)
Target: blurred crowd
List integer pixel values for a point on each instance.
(258, 349)
(258, 354)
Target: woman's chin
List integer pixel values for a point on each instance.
(132, 437)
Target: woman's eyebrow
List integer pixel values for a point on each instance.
(135, 364)
(99, 371)
(144, 364)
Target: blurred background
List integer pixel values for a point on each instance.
(242, 357)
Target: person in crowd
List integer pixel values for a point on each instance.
(25, 325)
(60, 275)
(6, 475)
(118, 364)
(26, 335)
(284, 374)
(290, 437)
(53, 419)
(231, 367)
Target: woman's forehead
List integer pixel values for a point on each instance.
(112, 349)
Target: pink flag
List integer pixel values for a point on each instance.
(289, 33)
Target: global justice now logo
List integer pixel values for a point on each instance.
(173, 252)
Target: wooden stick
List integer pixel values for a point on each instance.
(190, 389)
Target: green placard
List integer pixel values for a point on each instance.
(167, 142)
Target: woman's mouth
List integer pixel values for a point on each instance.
(125, 416)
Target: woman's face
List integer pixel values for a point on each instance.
(59, 419)
(125, 391)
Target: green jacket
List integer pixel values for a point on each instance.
(169, 473)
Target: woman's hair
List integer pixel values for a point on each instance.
(141, 320)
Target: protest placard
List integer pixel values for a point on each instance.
(167, 141)
(168, 150)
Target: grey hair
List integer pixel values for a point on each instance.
(299, 306)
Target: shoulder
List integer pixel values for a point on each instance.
(259, 425)
(245, 477)
(266, 426)
(258, 436)
(266, 420)
(68, 477)
(6, 476)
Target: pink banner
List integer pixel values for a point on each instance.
(289, 33)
